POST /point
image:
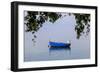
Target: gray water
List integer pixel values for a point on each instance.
(62, 30)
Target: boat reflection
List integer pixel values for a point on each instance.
(57, 51)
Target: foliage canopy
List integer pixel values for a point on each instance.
(34, 21)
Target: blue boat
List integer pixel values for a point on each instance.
(59, 45)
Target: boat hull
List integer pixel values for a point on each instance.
(59, 45)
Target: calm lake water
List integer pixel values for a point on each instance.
(62, 30)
